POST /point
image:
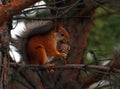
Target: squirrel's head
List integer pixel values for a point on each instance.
(62, 34)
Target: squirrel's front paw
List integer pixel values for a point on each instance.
(64, 55)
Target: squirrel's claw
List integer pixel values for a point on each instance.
(64, 55)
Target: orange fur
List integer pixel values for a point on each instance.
(42, 48)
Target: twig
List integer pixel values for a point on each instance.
(48, 18)
(65, 67)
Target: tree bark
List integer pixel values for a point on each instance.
(15, 7)
(79, 29)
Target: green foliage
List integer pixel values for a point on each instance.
(105, 33)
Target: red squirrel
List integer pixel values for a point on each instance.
(38, 43)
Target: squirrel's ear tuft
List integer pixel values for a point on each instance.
(57, 27)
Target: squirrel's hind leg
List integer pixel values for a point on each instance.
(41, 54)
(44, 59)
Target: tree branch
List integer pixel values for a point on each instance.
(66, 67)
(13, 8)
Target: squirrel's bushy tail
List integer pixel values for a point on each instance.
(32, 28)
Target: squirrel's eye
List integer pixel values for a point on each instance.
(62, 34)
